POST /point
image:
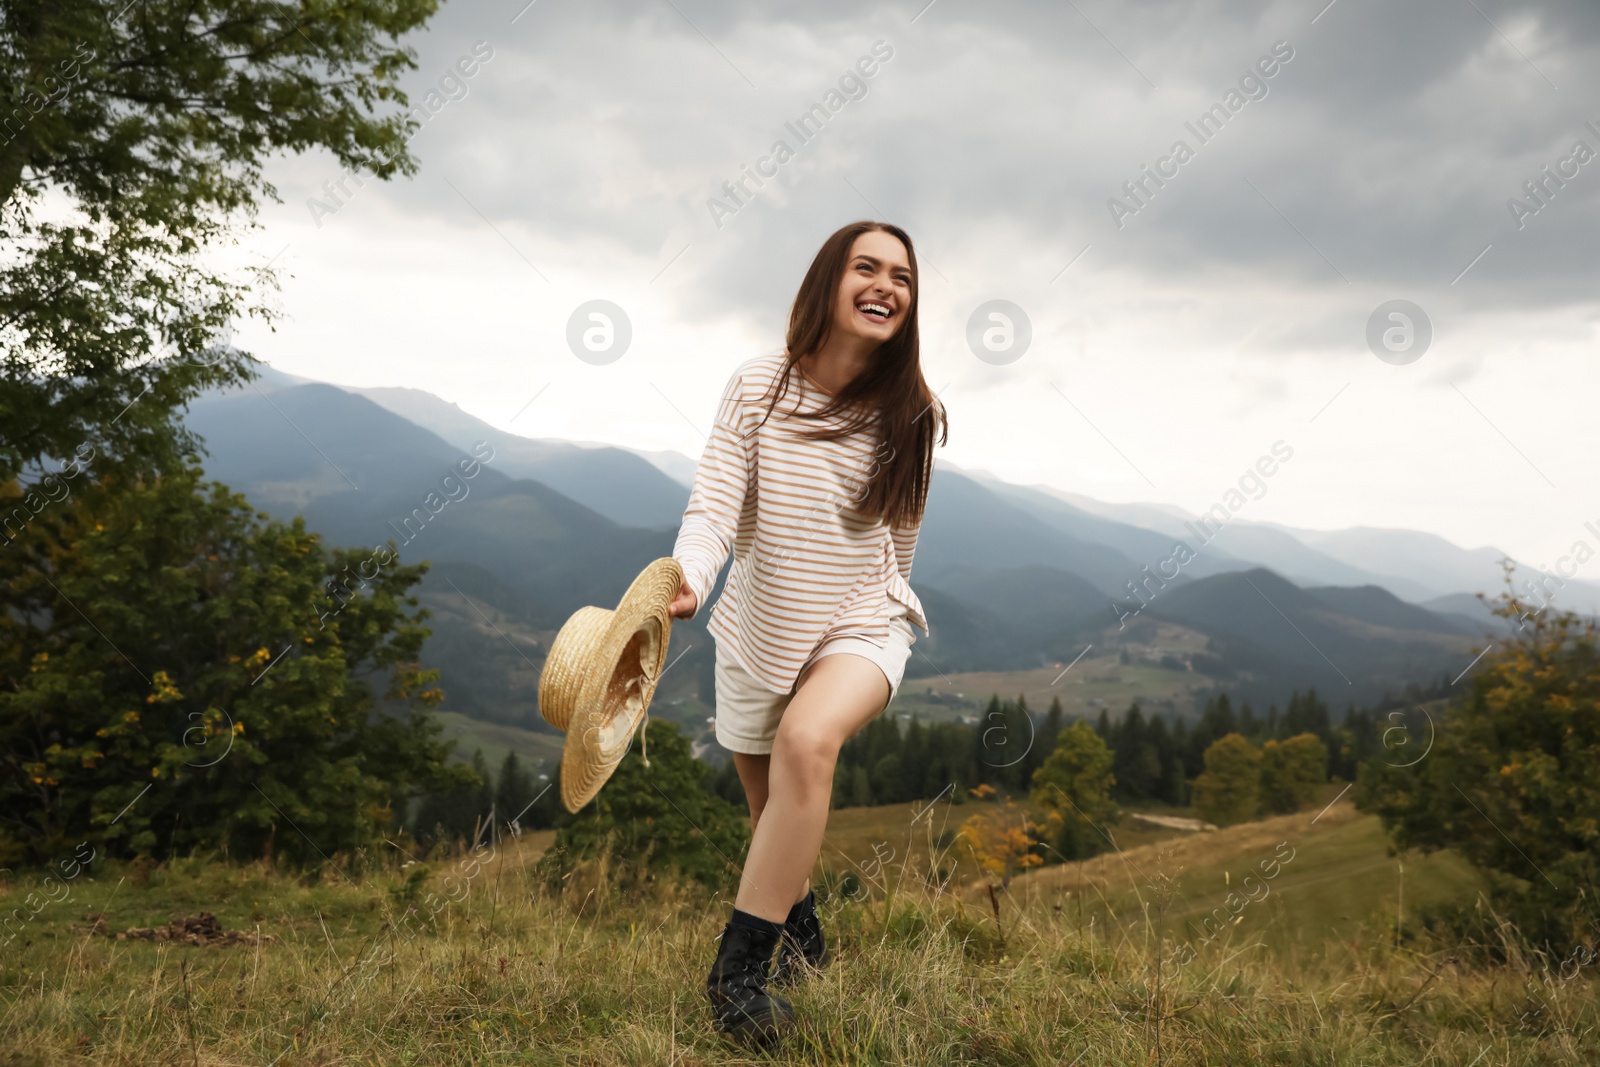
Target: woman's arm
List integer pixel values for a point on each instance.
(721, 482)
(905, 546)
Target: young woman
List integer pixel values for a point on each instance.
(821, 503)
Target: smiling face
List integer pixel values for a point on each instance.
(874, 295)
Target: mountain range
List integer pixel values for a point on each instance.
(1012, 577)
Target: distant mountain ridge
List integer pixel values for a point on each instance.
(1012, 577)
(620, 484)
(1414, 565)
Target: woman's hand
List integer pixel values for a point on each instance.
(684, 604)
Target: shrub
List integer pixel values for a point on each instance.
(1291, 771)
(1513, 779)
(1229, 790)
(659, 819)
(1075, 782)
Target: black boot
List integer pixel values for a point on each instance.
(737, 985)
(802, 946)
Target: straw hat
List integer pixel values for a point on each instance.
(600, 675)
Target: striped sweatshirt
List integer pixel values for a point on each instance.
(807, 565)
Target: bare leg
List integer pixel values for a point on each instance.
(753, 776)
(753, 771)
(836, 697)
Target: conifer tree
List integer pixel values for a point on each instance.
(513, 793)
(660, 820)
(1051, 730)
(1137, 763)
(455, 813)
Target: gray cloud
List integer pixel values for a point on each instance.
(1389, 144)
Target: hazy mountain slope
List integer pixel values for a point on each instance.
(1010, 577)
(621, 485)
(968, 524)
(1281, 552)
(675, 465)
(1374, 604)
(510, 545)
(964, 637)
(302, 443)
(1031, 598)
(1470, 610)
(1257, 615)
(1027, 613)
(1423, 558)
(538, 541)
(1144, 515)
(1148, 547)
(1147, 532)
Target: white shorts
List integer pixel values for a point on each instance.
(747, 712)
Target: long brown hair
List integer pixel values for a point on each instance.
(891, 391)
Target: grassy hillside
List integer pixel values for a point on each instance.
(1340, 883)
(540, 752)
(375, 963)
(1097, 681)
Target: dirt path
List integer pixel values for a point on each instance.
(1176, 822)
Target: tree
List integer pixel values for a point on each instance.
(1513, 779)
(730, 787)
(514, 791)
(1247, 721)
(1229, 790)
(867, 750)
(461, 811)
(1075, 781)
(1005, 743)
(1050, 732)
(887, 781)
(1003, 740)
(1004, 840)
(1169, 784)
(1291, 771)
(1217, 720)
(172, 678)
(1017, 772)
(663, 819)
(1359, 738)
(860, 788)
(144, 129)
(1177, 772)
(883, 764)
(1306, 714)
(1137, 759)
(914, 761)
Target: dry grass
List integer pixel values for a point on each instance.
(1135, 864)
(518, 971)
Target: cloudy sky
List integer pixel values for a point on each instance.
(1174, 338)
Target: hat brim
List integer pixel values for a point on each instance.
(626, 663)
